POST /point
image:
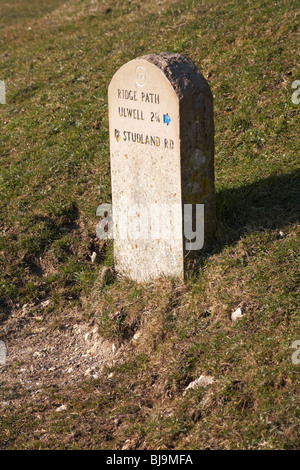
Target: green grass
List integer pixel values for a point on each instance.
(57, 59)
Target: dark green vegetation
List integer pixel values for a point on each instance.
(57, 60)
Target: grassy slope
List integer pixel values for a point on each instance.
(57, 60)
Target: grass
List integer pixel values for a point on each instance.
(57, 59)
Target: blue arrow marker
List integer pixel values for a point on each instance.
(167, 119)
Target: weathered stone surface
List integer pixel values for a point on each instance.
(162, 152)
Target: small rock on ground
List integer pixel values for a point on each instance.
(238, 313)
(202, 381)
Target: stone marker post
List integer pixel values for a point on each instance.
(162, 162)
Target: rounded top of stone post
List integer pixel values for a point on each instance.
(181, 72)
